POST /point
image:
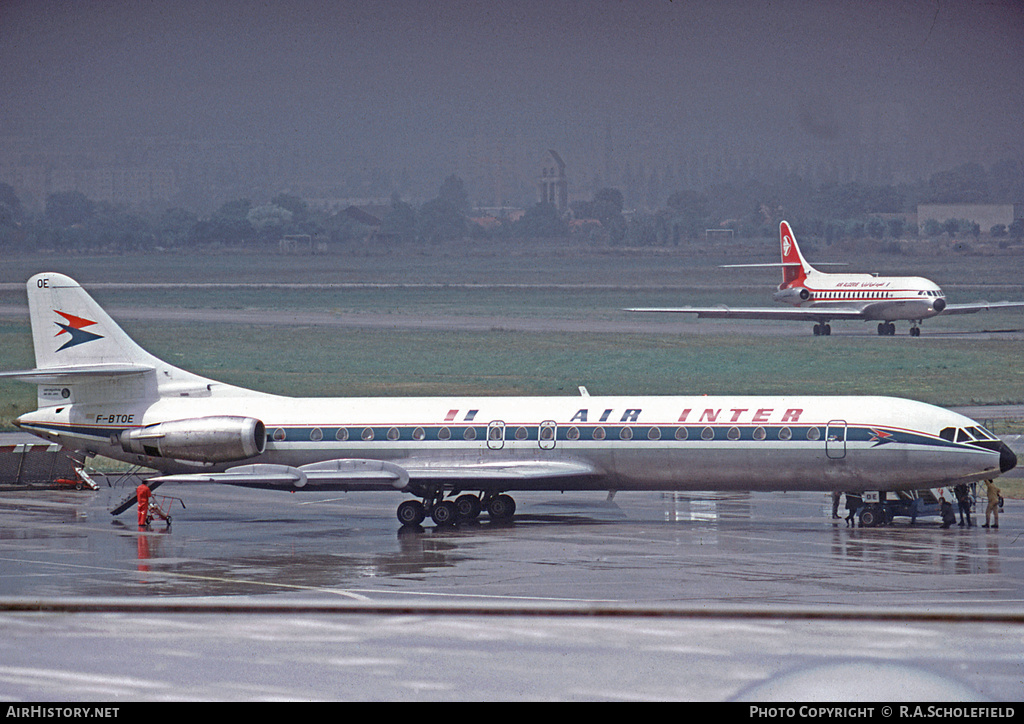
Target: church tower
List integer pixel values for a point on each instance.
(553, 186)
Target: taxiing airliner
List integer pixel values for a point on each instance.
(99, 393)
(822, 297)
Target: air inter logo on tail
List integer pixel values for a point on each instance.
(76, 328)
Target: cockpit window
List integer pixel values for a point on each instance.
(948, 433)
(963, 436)
(980, 433)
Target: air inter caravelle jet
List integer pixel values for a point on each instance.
(100, 393)
(821, 297)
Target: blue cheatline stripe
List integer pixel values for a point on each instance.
(357, 434)
(597, 433)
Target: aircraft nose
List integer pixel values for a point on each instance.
(1007, 458)
(939, 304)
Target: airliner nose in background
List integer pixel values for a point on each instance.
(821, 297)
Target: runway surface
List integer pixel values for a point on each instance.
(256, 595)
(616, 323)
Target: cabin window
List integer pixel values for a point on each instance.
(707, 433)
(316, 435)
(573, 433)
(522, 433)
(785, 433)
(341, 434)
(681, 433)
(598, 433)
(759, 433)
(367, 434)
(654, 433)
(393, 434)
(419, 434)
(496, 432)
(469, 434)
(444, 434)
(279, 434)
(813, 433)
(626, 433)
(734, 433)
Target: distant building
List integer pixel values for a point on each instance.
(984, 215)
(553, 184)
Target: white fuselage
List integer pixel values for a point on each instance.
(605, 443)
(879, 298)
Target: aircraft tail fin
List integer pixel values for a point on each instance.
(71, 331)
(795, 268)
(82, 353)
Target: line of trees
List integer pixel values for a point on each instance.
(831, 211)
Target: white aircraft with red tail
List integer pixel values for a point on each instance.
(821, 297)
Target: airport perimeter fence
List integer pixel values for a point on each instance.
(34, 464)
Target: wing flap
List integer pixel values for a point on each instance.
(332, 474)
(427, 470)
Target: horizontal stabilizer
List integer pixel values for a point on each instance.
(777, 264)
(75, 373)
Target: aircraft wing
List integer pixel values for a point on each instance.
(358, 474)
(724, 312)
(979, 307)
(482, 471)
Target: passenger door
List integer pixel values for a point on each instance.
(835, 439)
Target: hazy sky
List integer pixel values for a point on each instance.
(405, 79)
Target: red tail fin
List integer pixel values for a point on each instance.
(795, 269)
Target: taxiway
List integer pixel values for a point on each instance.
(257, 595)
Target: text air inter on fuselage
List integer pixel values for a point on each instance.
(709, 414)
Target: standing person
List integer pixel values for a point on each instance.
(992, 492)
(963, 502)
(853, 502)
(143, 494)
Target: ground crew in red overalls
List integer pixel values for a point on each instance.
(143, 493)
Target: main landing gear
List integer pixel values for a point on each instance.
(822, 330)
(888, 329)
(447, 512)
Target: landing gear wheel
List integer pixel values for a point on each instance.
(501, 507)
(467, 507)
(915, 331)
(444, 513)
(870, 517)
(411, 512)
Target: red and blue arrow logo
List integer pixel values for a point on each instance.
(880, 437)
(76, 328)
